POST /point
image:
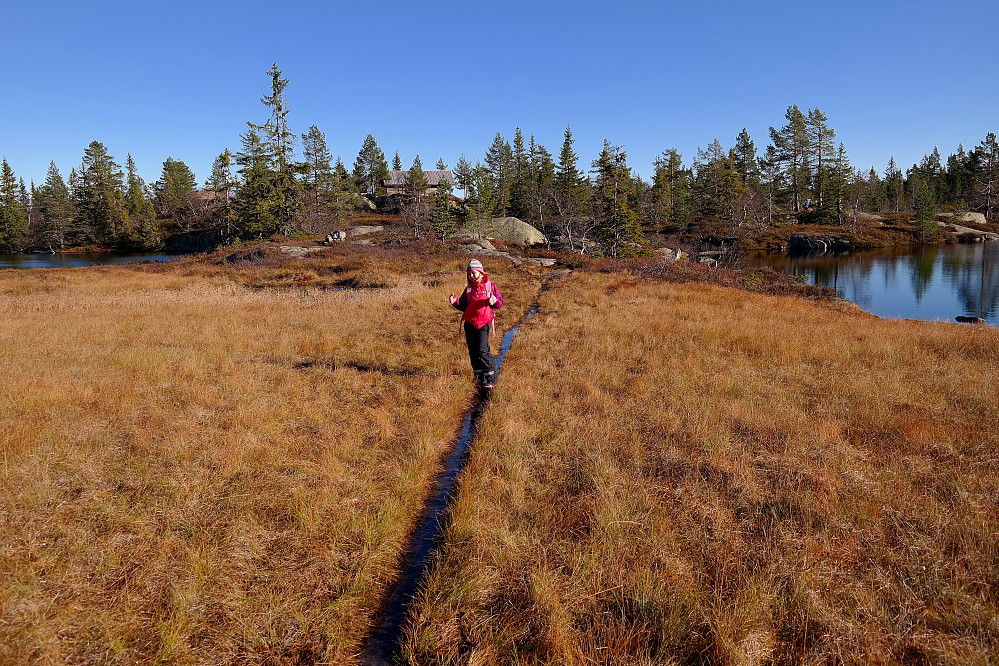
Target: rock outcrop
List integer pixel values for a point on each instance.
(803, 243)
(506, 228)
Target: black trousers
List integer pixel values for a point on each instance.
(478, 349)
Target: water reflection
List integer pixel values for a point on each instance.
(79, 259)
(931, 282)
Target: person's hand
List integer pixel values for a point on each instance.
(453, 299)
(492, 299)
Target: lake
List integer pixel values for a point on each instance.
(80, 259)
(928, 282)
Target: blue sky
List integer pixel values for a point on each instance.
(440, 79)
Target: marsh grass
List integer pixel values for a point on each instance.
(219, 461)
(687, 473)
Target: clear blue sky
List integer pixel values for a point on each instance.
(441, 78)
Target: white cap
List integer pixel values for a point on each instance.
(474, 265)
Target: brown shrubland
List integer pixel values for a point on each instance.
(219, 461)
(687, 473)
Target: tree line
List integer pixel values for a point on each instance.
(266, 188)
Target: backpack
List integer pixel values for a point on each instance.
(492, 324)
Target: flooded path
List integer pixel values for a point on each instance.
(384, 640)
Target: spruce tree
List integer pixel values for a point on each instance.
(13, 214)
(668, 189)
(875, 196)
(746, 165)
(101, 201)
(222, 184)
(142, 217)
(481, 200)
(717, 187)
(894, 186)
(617, 223)
(838, 181)
(173, 190)
(925, 209)
(519, 206)
(957, 179)
(340, 200)
(270, 197)
(499, 161)
(540, 189)
(396, 162)
(570, 195)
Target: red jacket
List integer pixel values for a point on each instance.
(474, 302)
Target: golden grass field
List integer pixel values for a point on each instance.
(210, 464)
(685, 473)
(218, 461)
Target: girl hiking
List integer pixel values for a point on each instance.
(477, 303)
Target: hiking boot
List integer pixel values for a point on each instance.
(488, 380)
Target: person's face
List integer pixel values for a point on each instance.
(474, 275)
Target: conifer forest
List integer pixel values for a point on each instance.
(280, 181)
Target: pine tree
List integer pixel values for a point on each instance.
(617, 223)
(463, 174)
(440, 218)
(792, 148)
(987, 175)
(101, 201)
(771, 179)
(317, 170)
(13, 214)
(415, 208)
(821, 146)
(441, 166)
(370, 168)
(396, 162)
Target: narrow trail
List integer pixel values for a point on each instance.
(383, 642)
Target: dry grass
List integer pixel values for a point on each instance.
(684, 473)
(208, 463)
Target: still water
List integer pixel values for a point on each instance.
(930, 283)
(82, 259)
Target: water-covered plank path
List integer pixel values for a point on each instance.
(383, 642)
